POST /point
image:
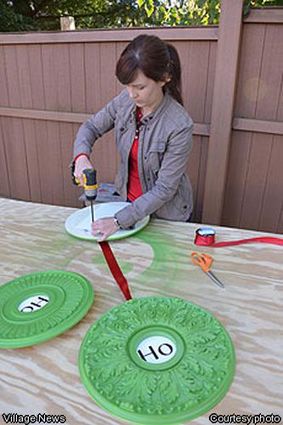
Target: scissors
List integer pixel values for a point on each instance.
(204, 261)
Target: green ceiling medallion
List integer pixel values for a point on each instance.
(157, 361)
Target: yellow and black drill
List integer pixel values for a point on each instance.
(90, 186)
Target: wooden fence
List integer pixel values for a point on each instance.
(232, 87)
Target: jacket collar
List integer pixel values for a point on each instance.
(130, 115)
(160, 109)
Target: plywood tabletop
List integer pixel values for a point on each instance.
(44, 378)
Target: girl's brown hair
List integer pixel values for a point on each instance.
(156, 59)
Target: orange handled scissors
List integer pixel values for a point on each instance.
(204, 261)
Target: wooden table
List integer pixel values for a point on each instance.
(156, 261)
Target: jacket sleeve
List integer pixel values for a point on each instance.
(95, 127)
(173, 166)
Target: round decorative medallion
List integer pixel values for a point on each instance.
(157, 361)
(39, 306)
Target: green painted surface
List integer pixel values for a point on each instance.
(39, 306)
(132, 378)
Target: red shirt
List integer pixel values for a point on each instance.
(134, 184)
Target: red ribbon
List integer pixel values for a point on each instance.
(115, 269)
(209, 240)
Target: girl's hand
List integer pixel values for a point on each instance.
(80, 165)
(103, 228)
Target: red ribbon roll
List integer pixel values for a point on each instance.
(205, 236)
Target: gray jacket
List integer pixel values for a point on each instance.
(165, 141)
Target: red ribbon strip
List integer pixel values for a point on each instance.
(209, 240)
(115, 269)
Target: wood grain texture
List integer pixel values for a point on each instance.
(254, 196)
(196, 170)
(102, 35)
(45, 377)
(197, 60)
(258, 126)
(4, 176)
(272, 15)
(228, 48)
(11, 76)
(15, 153)
(255, 163)
(250, 63)
(3, 79)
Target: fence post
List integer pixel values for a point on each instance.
(228, 47)
(67, 23)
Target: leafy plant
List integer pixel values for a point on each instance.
(32, 15)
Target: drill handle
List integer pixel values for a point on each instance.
(90, 177)
(90, 183)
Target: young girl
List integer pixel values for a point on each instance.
(153, 136)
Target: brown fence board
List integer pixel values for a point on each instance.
(73, 191)
(3, 80)
(273, 193)
(4, 97)
(194, 59)
(197, 84)
(24, 80)
(52, 170)
(280, 103)
(254, 194)
(32, 159)
(101, 35)
(57, 96)
(210, 81)
(108, 63)
(36, 76)
(258, 126)
(258, 166)
(222, 109)
(4, 175)
(11, 77)
(201, 179)
(272, 15)
(16, 158)
(100, 61)
(93, 68)
(120, 46)
(44, 158)
(236, 178)
(249, 70)
(36, 132)
(77, 78)
(38, 114)
(251, 182)
(193, 167)
(66, 143)
(50, 177)
(280, 226)
(55, 60)
(40, 129)
(201, 129)
(24, 88)
(270, 75)
(196, 170)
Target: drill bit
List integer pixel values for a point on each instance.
(91, 209)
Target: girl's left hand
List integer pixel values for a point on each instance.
(103, 228)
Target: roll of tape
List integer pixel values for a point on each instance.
(206, 236)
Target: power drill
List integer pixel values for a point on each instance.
(90, 186)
